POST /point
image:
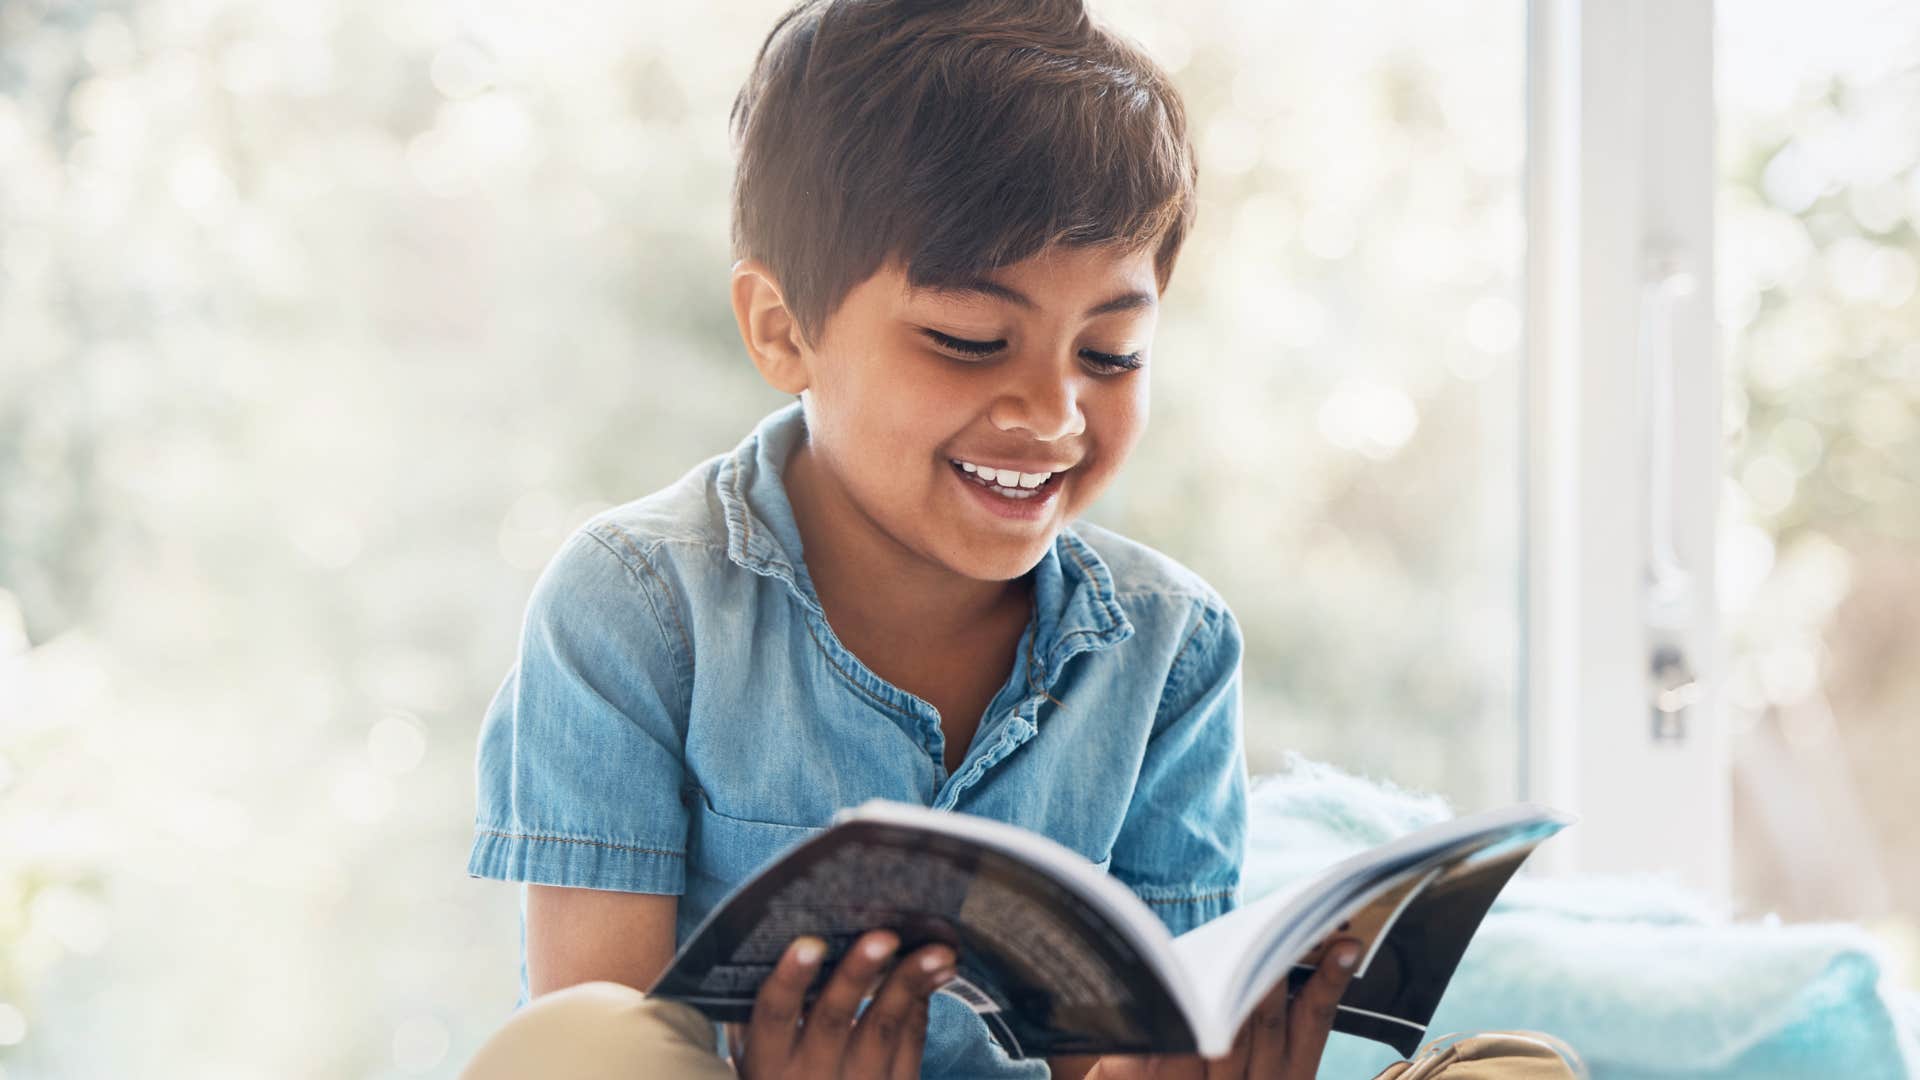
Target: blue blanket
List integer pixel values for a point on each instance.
(1635, 973)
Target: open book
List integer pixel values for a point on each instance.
(1059, 958)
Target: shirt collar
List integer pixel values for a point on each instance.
(1073, 594)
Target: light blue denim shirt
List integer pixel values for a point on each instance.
(680, 712)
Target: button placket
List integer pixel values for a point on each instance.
(1011, 728)
(1015, 730)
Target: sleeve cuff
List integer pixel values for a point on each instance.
(1183, 909)
(569, 861)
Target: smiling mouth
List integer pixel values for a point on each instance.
(1015, 491)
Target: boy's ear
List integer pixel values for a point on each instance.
(767, 328)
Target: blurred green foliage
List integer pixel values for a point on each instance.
(1819, 258)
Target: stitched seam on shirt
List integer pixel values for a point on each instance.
(848, 675)
(686, 644)
(746, 515)
(746, 542)
(821, 645)
(1113, 610)
(704, 546)
(1193, 899)
(590, 843)
(1177, 678)
(1071, 634)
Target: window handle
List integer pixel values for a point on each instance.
(1669, 594)
(1675, 689)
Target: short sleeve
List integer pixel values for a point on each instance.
(1183, 841)
(581, 755)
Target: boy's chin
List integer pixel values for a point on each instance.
(1001, 562)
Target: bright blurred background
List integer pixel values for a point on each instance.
(322, 323)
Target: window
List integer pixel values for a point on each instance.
(1819, 203)
(320, 305)
(1335, 439)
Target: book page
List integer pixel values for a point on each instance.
(1236, 946)
(1370, 924)
(1114, 900)
(1047, 970)
(1414, 957)
(1213, 952)
(1244, 954)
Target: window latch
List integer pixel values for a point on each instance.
(1670, 595)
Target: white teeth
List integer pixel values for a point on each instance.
(1006, 478)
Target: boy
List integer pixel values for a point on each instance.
(954, 223)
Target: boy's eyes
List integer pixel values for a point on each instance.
(1110, 363)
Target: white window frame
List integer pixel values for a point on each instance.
(1620, 187)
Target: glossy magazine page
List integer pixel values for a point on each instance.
(1390, 898)
(1058, 958)
(1412, 958)
(1050, 972)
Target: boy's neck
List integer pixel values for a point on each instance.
(872, 588)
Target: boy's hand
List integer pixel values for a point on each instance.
(1279, 1041)
(886, 1041)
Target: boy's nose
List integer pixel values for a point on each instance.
(1044, 407)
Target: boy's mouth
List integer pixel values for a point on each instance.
(1007, 483)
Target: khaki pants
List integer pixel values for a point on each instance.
(606, 1031)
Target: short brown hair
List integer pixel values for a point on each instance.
(955, 136)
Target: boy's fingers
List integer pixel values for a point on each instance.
(773, 1027)
(1267, 1034)
(823, 1034)
(1312, 1013)
(887, 1019)
(879, 1030)
(912, 1046)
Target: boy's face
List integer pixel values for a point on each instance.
(1036, 369)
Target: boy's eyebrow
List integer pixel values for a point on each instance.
(1131, 300)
